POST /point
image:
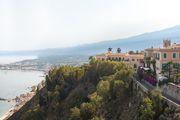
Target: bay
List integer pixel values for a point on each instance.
(16, 82)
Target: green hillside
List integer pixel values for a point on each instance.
(100, 90)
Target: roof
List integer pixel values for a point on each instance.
(140, 56)
(174, 47)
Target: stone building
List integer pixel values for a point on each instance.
(168, 53)
(135, 59)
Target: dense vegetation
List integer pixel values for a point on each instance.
(100, 90)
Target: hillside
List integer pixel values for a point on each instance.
(100, 90)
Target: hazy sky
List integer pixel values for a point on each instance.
(38, 24)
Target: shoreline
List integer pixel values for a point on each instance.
(19, 103)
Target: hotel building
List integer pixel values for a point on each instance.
(134, 59)
(168, 53)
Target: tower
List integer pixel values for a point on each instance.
(166, 43)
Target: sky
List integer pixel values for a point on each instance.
(39, 24)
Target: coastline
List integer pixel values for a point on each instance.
(19, 102)
(13, 64)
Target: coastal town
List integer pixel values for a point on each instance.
(28, 65)
(45, 63)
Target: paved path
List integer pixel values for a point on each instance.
(146, 86)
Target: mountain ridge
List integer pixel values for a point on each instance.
(137, 42)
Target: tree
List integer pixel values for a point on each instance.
(109, 49)
(146, 109)
(42, 100)
(96, 99)
(125, 75)
(148, 61)
(118, 50)
(153, 62)
(48, 83)
(137, 52)
(97, 118)
(103, 89)
(87, 110)
(118, 88)
(91, 57)
(75, 114)
(168, 68)
(33, 114)
(177, 78)
(157, 101)
(131, 52)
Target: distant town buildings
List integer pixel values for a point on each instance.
(168, 53)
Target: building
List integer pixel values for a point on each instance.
(168, 53)
(135, 59)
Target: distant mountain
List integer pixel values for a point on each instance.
(138, 42)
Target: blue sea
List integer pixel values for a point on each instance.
(16, 82)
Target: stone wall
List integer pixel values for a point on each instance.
(172, 90)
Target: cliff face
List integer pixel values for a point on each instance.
(100, 90)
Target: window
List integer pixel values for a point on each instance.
(164, 66)
(157, 56)
(174, 55)
(165, 55)
(145, 54)
(176, 65)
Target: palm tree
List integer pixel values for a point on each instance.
(91, 57)
(168, 68)
(153, 62)
(109, 49)
(118, 50)
(148, 61)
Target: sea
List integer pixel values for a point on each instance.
(16, 82)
